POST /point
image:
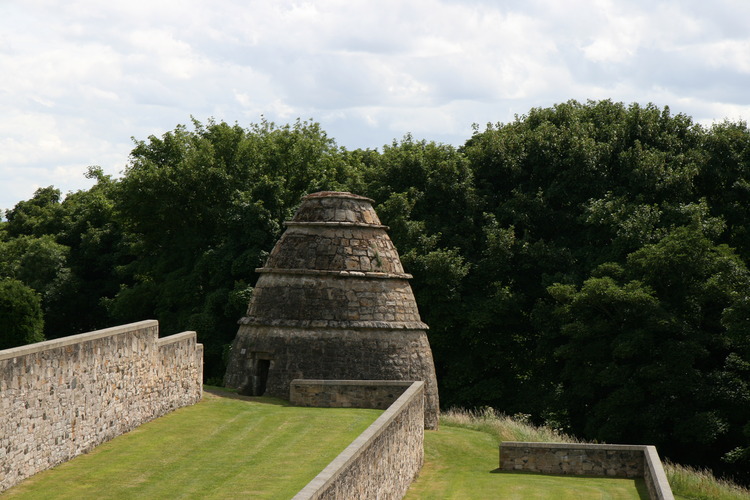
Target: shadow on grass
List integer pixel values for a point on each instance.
(223, 392)
(640, 483)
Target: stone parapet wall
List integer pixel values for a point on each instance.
(383, 461)
(583, 459)
(62, 397)
(573, 459)
(378, 394)
(180, 372)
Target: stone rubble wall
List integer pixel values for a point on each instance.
(341, 208)
(573, 459)
(383, 461)
(336, 248)
(582, 459)
(377, 394)
(330, 298)
(63, 397)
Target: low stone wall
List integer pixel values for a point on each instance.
(582, 459)
(378, 394)
(653, 474)
(383, 461)
(574, 459)
(62, 397)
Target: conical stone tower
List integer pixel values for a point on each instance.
(332, 302)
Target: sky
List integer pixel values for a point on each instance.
(80, 79)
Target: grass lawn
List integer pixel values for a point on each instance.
(459, 464)
(223, 447)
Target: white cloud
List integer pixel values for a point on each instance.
(730, 54)
(79, 78)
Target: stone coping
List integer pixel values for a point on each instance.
(346, 457)
(177, 337)
(653, 474)
(369, 383)
(339, 325)
(335, 224)
(661, 489)
(575, 446)
(337, 194)
(76, 339)
(342, 274)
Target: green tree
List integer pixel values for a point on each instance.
(69, 252)
(424, 193)
(734, 393)
(644, 351)
(573, 264)
(21, 319)
(40, 263)
(725, 181)
(35, 217)
(93, 232)
(200, 208)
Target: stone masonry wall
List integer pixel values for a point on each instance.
(332, 302)
(353, 354)
(383, 461)
(581, 459)
(338, 247)
(378, 394)
(573, 459)
(62, 397)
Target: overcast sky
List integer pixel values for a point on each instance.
(78, 79)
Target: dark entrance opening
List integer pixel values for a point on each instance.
(261, 376)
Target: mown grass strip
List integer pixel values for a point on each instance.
(223, 447)
(687, 483)
(461, 464)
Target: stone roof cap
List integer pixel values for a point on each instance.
(337, 194)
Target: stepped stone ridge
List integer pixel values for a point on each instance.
(332, 302)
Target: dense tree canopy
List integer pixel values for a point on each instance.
(21, 319)
(585, 264)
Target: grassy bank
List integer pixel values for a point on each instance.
(460, 464)
(223, 447)
(687, 483)
(228, 446)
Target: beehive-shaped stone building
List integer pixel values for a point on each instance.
(332, 302)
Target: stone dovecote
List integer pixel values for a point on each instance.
(332, 302)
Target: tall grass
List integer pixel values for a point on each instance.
(686, 482)
(700, 484)
(503, 427)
